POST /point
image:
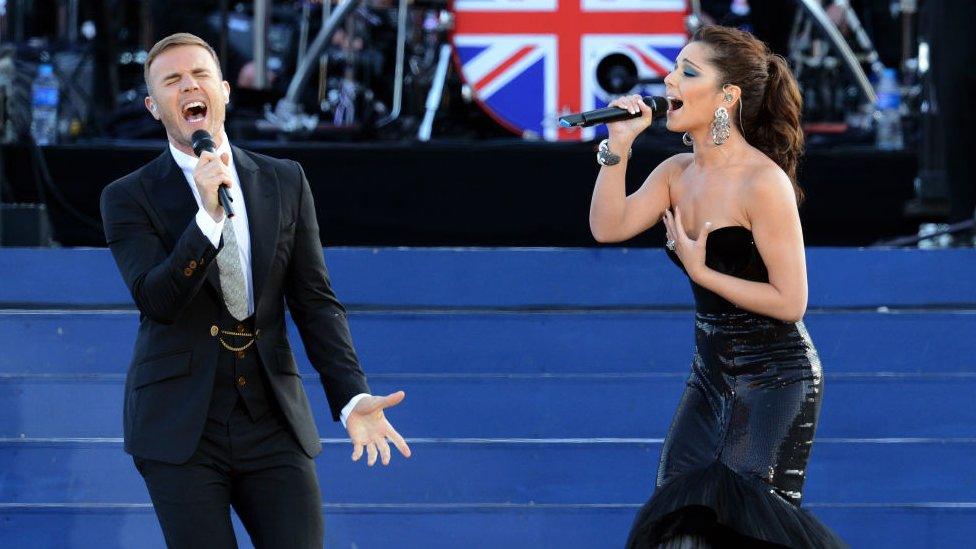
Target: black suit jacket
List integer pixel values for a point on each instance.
(170, 269)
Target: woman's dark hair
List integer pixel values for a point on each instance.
(770, 103)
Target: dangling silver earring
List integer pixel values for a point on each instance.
(686, 139)
(720, 126)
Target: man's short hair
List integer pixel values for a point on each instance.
(173, 40)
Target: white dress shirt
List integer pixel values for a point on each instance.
(213, 230)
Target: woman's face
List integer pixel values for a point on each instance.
(693, 90)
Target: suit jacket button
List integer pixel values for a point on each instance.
(213, 330)
(241, 381)
(193, 264)
(187, 272)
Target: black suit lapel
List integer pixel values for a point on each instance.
(262, 201)
(170, 195)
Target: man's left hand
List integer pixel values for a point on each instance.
(369, 429)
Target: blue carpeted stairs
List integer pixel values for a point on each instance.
(539, 386)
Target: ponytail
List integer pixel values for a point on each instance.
(770, 103)
(778, 133)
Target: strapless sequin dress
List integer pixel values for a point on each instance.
(735, 458)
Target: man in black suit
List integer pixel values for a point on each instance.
(215, 414)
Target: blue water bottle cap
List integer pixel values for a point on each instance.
(45, 69)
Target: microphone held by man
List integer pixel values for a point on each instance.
(202, 141)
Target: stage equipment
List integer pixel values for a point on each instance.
(832, 79)
(288, 115)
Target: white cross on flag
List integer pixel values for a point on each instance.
(530, 61)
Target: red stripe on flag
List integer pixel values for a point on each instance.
(648, 61)
(568, 24)
(503, 67)
(569, 21)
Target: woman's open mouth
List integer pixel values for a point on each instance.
(674, 104)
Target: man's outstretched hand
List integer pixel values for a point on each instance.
(370, 431)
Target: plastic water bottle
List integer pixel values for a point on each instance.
(44, 102)
(888, 117)
(941, 241)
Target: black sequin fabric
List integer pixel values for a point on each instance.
(734, 461)
(751, 402)
(732, 251)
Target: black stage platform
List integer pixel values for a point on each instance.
(484, 193)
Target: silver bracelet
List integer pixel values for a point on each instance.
(606, 158)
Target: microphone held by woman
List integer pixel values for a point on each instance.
(606, 115)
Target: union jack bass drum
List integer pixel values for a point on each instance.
(527, 62)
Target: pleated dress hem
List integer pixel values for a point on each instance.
(715, 507)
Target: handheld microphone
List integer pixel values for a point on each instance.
(585, 119)
(201, 141)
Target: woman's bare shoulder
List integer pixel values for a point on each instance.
(767, 191)
(764, 175)
(680, 160)
(675, 165)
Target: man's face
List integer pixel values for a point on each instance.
(187, 93)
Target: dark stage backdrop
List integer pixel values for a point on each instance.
(504, 193)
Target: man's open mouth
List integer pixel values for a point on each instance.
(195, 111)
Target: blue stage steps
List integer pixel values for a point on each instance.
(549, 405)
(550, 471)
(540, 384)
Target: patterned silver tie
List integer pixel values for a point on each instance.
(232, 281)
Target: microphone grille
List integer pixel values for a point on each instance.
(658, 104)
(201, 140)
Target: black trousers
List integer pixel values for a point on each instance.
(254, 466)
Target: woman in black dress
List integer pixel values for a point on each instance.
(734, 461)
